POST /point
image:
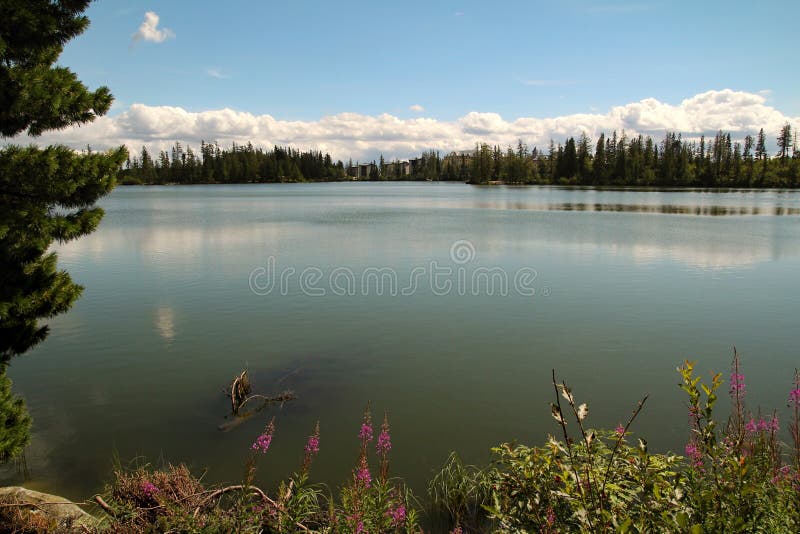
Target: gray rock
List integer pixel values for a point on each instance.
(43, 508)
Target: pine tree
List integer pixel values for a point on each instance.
(569, 163)
(784, 142)
(15, 423)
(761, 154)
(45, 194)
(599, 164)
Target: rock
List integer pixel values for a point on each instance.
(43, 512)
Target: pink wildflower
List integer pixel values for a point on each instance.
(773, 424)
(384, 444)
(311, 448)
(794, 397)
(737, 384)
(751, 426)
(149, 489)
(357, 522)
(365, 434)
(397, 514)
(765, 425)
(620, 430)
(312, 445)
(551, 516)
(694, 455)
(783, 473)
(363, 476)
(262, 442)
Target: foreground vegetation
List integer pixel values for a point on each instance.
(732, 477)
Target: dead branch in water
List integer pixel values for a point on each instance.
(239, 393)
(240, 389)
(283, 397)
(242, 416)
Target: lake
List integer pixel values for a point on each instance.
(444, 305)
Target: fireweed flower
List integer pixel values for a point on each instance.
(737, 384)
(311, 449)
(694, 454)
(262, 442)
(763, 425)
(384, 444)
(751, 426)
(794, 397)
(620, 430)
(784, 473)
(365, 434)
(773, 424)
(397, 514)
(551, 516)
(149, 489)
(361, 474)
(312, 445)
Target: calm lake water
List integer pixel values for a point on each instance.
(625, 285)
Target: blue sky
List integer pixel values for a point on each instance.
(307, 60)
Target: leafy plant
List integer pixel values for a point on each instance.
(458, 496)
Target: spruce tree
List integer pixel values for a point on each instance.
(761, 154)
(785, 142)
(15, 423)
(46, 194)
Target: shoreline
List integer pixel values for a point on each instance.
(637, 188)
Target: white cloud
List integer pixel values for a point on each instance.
(360, 136)
(217, 73)
(417, 108)
(148, 31)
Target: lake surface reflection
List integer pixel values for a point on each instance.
(625, 285)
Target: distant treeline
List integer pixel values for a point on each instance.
(615, 160)
(235, 165)
(639, 161)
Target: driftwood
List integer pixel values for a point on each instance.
(213, 495)
(242, 416)
(240, 389)
(239, 393)
(254, 489)
(283, 397)
(104, 505)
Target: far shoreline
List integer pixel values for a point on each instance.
(640, 188)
